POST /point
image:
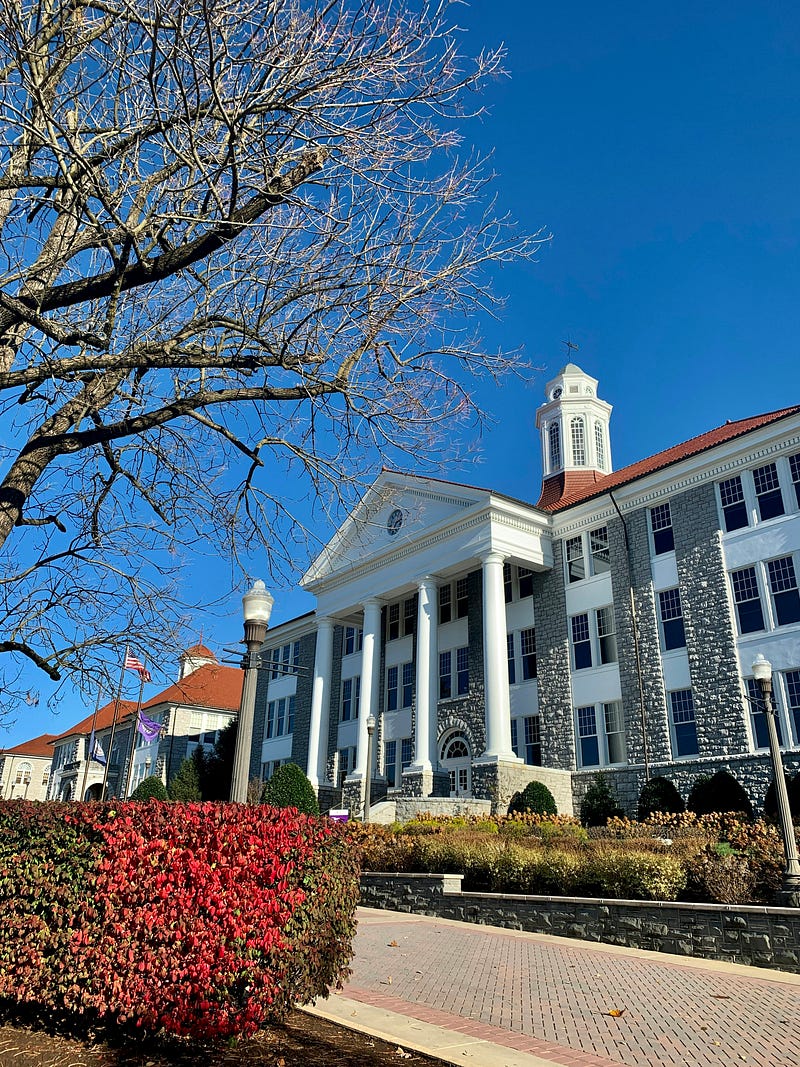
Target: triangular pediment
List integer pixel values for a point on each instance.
(395, 512)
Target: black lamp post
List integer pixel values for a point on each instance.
(790, 887)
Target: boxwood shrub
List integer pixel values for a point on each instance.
(194, 919)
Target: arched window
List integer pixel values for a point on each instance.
(600, 445)
(555, 445)
(456, 748)
(23, 774)
(578, 442)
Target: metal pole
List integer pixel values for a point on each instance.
(790, 888)
(89, 753)
(113, 726)
(135, 730)
(254, 634)
(368, 779)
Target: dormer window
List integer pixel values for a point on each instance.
(555, 445)
(578, 442)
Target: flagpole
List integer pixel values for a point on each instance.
(134, 731)
(89, 753)
(113, 726)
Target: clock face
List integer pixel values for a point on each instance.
(394, 522)
(557, 393)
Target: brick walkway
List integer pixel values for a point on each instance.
(550, 997)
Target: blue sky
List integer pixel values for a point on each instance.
(660, 145)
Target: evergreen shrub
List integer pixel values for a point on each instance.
(535, 798)
(659, 795)
(151, 788)
(289, 788)
(719, 793)
(186, 783)
(771, 799)
(192, 919)
(599, 804)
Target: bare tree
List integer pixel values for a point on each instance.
(233, 231)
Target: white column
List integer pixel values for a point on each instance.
(370, 666)
(320, 703)
(427, 678)
(495, 662)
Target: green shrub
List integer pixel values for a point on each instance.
(771, 799)
(719, 793)
(535, 798)
(289, 788)
(186, 783)
(599, 804)
(151, 788)
(659, 795)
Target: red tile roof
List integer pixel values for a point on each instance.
(105, 717)
(37, 746)
(565, 490)
(210, 686)
(200, 650)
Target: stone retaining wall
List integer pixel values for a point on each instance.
(766, 937)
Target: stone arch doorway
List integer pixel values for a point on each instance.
(94, 791)
(455, 757)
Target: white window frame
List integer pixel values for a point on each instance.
(766, 596)
(596, 641)
(588, 554)
(787, 467)
(662, 622)
(671, 710)
(602, 712)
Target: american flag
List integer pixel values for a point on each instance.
(132, 663)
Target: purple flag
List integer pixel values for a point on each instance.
(149, 729)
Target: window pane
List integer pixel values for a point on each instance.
(533, 741)
(576, 568)
(734, 508)
(508, 583)
(445, 606)
(672, 619)
(768, 491)
(783, 583)
(748, 602)
(578, 442)
(794, 467)
(581, 643)
(554, 434)
(598, 546)
(528, 646)
(525, 582)
(406, 752)
(606, 634)
(615, 732)
(599, 446)
(589, 745)
(462, 599)
(445, 684)
(683, 722)
(661, 525)
(462, 670)
(391, 689)
(793, 698)
(512, 673)
(390, 762)
(408, 684)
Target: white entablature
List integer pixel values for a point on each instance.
(406, 527)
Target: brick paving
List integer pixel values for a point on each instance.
(551, 997)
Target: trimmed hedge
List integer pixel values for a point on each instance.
(290, 788)
(195, 919)
(151, 788)
(535, 799)
(720, 792)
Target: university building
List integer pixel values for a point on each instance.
(610, 625)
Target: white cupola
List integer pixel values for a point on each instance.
(573, 424)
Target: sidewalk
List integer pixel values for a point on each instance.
(488, 997)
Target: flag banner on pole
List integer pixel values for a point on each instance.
(148, 728)
(96, 751)
(133, 663)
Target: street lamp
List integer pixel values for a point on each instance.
(790, 888)
(257, 608)
(368, 782)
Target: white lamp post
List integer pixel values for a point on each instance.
(257, 608)
(790, 888)
(368, 780)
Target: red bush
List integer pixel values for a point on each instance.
(201, 919)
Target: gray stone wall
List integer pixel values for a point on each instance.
(709, 627)
(553, 667)
(766, 937)
(302, 700)
(630, 569)
(335, 696)
(468, 713)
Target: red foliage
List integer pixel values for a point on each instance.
(204, 919)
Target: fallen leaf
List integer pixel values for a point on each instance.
(402, 1052)
(720, 996)
(393, 944)
(616, 1012)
